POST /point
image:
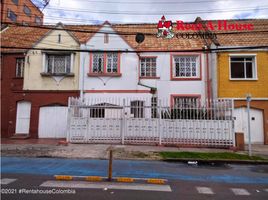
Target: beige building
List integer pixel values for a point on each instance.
(50, 70)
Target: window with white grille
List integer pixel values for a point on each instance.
(185, 102)
(148, 67)
(137, 109)
(98, 62)
(19, 67)
(186, 67)
(58, 64)
(112, 62)
(105, 63)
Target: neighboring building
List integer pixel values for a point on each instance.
(21, 11)
(36, 84)
(241, 72)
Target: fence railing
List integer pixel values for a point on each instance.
(182, 121)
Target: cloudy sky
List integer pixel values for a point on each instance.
(150, 11)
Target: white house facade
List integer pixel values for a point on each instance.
(139, 75)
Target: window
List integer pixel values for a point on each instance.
(185, 102)
(16, 2)
(243, 67)
(105, 63)
(106, 38)
(137, 109)
(186, 67)
(154, 107)
(58, 64)
(11, 15)
(38, 20)
(148, 67)
(19, 67)
(27, 10)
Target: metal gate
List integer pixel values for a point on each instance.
(186, 121)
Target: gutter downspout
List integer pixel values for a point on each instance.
(208, 78)
(83, 78)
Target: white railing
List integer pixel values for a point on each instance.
(183, 121)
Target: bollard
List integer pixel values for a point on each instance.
(110, 170)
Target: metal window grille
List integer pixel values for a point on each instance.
(186, 66)
(243, 67)
(112, 62)
(148, 67)
(98, 62)
(58, 64)
(19, 67)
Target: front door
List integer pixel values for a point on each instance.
(23, 117)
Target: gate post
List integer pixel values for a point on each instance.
(159, 122)
(123, 122)
(69, 120)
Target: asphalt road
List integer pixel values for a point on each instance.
(32, 175)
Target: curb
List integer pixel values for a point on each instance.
(222, 161)
(115, 179)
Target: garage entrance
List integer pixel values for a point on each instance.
(53, 122)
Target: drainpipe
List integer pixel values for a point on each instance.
(208, 80)
(83, 79)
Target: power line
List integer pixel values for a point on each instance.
(140, 51)
(157, 12)
(118, 32)
(154, 2)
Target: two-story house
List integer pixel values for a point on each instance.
(142, 72)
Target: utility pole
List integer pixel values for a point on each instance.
(248, 97)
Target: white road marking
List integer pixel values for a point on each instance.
(121, 186)
(204, 190)
(240, 191)
(5, 181)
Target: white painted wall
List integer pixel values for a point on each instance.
(129, 65)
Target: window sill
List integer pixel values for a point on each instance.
(17, 77)
(104, 74)
(57, 74)
(185, 79)
(149, 77)
(243, 79)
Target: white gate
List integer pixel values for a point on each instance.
(52, 122)
(150, 121)
(23, 117)
(256, 124)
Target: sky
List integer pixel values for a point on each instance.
(150, 11)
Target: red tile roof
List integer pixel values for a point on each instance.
(17, 36)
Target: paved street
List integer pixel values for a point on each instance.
(184, 181)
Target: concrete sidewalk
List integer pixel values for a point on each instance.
(51, 148)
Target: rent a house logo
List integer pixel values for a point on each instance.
(197, 30)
